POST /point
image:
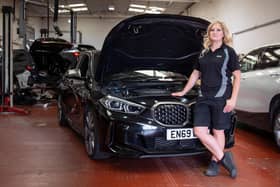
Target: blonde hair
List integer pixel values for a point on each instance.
(227, 39)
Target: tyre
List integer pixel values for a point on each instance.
(276, 126)
(60, 112)
(91, 138)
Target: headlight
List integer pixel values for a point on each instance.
(121, 105)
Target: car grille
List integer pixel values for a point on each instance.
(171, 114)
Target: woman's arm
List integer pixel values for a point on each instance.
(236, 85)
(191, 82)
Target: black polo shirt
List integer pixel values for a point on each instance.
(216, 69)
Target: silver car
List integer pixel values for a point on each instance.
(258, 102)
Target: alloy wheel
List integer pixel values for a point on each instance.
(276, 128)
(60, 114)
(59, 111)
(89, 134)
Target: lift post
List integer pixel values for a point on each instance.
(7, 66)
(73, 25)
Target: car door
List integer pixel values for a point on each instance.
(77, 93)
(247, 97)
(258, 85)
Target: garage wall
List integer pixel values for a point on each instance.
(260, 20)
(239, 15)
(95, 30)
(92, 29)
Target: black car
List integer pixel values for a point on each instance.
(119, 99)
(51, 58)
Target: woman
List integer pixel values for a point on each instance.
(217, 63)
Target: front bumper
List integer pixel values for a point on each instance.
(141, 136)
(143, 140)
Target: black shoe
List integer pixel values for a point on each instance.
(213, 169)
(228, 163)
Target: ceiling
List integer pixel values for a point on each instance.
(99, 8)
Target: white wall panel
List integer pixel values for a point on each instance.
(95, 30)
(243, 14)
(244, 42)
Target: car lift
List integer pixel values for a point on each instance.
(7, 66)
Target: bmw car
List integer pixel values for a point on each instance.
(119, 98)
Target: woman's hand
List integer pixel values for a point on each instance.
(229, 105)
(191, 82)
(181, 93)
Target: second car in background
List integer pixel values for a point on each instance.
(258, 102)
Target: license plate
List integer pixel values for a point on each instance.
(180, 134)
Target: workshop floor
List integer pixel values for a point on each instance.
(36, 152)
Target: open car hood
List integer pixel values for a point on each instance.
(161, 42)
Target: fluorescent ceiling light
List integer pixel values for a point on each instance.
(63, 11)
(143, 8)
(111, 8)
(77, 5)
(135, 10)
(137, 6)
(156, 8)
(152, 12)
(80, 9)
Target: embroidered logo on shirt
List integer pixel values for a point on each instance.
(219, 56)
